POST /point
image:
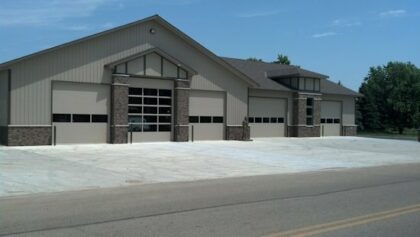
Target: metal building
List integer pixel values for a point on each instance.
(148, 81)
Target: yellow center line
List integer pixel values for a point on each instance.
(346, 223)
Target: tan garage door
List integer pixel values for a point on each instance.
(267, 116)
(80, 113)
(207, 115)
(330, 118)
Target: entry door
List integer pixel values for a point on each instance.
(330, 118)
(267, 116)
(80, 113)
(207, 115)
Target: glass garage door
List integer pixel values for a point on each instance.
(149, 114)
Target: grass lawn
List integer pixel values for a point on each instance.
(408, 134)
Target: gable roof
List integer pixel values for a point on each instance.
(155, 18)
(263, 71)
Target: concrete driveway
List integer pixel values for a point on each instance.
(26, 170)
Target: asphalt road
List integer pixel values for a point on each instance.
(381, 201)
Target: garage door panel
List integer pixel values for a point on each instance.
(331, 118)
(207, 132)
(206, 111)
(75, 100)
(267, 130)
(267, 116)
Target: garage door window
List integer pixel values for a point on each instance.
(99, 118)
(206, 119)
(265, 120)
(150, 110)
(81, 118)
(330, 120)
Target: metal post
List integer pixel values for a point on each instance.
(192, 133)
(131, 137)
(55, 135)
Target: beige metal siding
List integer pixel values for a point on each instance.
(136, 66)
(84, 62)
(4, 98)
(153, 65)
(348, 107)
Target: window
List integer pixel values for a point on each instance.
(164, 101)
(150, 110)
(329, 120)
(309, 111)
(280, 120)
(150, 101)
(217, 119)
(99, 118)
(134, 128)
(135, 119)
(164, 119)
(322, 120)
(149, 128)
(251, 119)
(336, 120)
(194, 119)
(81, 118)
(135, 109)
(164, 128)
(135, 91)
(266, 120)
(167, 93)
(258, 120)
(165, 110)
(61, 118)
(135, 100)
(205, 119)
(273, 120)
(150, 92)
(149, 119)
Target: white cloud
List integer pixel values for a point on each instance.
(258, 14)
(323, 35)
(393, 13)
(77, 28)
(346, 23)
(45, 12)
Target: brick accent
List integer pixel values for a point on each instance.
(29, 136)
(349, 130)
(240, 133)
(181, 110)
(298, 126)
(119, 110)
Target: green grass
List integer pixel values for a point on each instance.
(408, 134)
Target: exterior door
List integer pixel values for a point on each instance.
(267, 116)
(80, 113)
(207, 115)
(330, 118)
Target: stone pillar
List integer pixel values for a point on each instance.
(119, 109)
(349, 130)
(181, 109)
(28, 136)
(298, 127)
(239, 133)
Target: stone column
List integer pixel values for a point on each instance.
(119, 109)
(239, 133)
(298, 127)
(349, 130)
(181, 110)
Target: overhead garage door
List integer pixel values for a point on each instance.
(207, 115)
(150, 110)
(80, 113)
(330, 118)
(267, 116)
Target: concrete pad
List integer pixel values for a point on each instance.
(26, 170)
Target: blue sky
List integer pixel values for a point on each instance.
(339, 38)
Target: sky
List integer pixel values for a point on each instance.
(338, 38)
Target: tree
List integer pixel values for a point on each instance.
(339, 83)
(254, 59)
(391, 97)
(282, 59)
